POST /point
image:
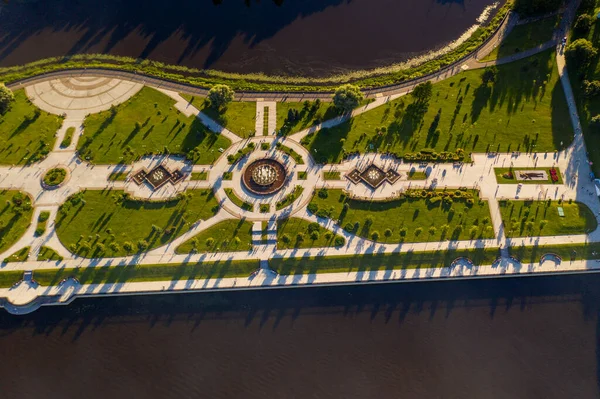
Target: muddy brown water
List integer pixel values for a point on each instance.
(300, 37)
(510, 338)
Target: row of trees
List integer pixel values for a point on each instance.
(345, 98)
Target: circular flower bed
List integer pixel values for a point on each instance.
(55, 176)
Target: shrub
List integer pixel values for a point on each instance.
(403, 232)
(584, 23)
(312, 208)
(43, 216)
(55, 176)
(323, 213)
(6, 98)
(314, 235)
(423, 92)
(142, 245)
(39, 231)
(339, 241)
(580, 53)
(489, 74)
(347, 97)
(314, 226)
(286, 238)
(323, 193)
(265, 208)
(387, 233)
(595, 122)
(264, 146)
(591, 89)
(375, 235)
(127, 246)
(220, 95)
(300, 237)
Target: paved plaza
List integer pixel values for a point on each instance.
(76, 97)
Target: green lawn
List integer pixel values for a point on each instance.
(238, 117)
(41, 223)
(409, 219)
(291, 197)
(140, 273)
(19, 256)
(567, 251)
(524, 37)
(199, 176)
(55, 176)
(7, 279)
(540, 218)
(297, 233)
(66, 141)
(377, 262)
(147, 123)
(225, 236)
(27, 133)
(48, 254)
(107, 223)
(118, 176)
(524, 110)
(501, 178)
(331, 175)
(237, 200)
(290, 151)
(414, 175)
(15, 217)
(309, 113)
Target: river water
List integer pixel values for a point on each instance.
(510, 338)
(300, 37)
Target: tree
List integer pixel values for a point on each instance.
(6, 98)
(584, 23)
(595, 123)
(591, 89)
(580, 53)
(489, 74)
(533, 7)
(220, 95)
(347, 97)
(423, 92)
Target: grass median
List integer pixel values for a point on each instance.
(378, 262)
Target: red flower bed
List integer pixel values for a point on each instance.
(553, 175)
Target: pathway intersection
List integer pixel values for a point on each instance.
(77, 97)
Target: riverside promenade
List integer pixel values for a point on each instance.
(77, 96)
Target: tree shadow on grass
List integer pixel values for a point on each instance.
(326, 145)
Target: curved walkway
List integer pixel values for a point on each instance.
(467, 62)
